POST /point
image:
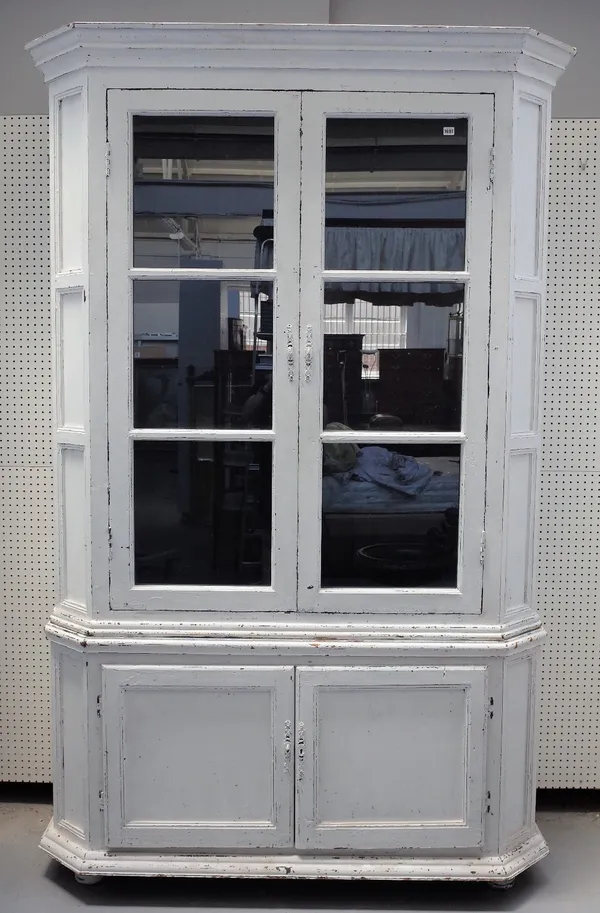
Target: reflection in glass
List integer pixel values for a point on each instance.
(203, 354)
(202, 513)
(390, 515)
(392, 356)
(395, 193)
(202, 185)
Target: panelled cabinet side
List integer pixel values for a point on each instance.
(339, 733)
(70, 333)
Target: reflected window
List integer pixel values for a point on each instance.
(202, 186)
(390, 515)
(202, 513)
(392, 356)
(395, 193)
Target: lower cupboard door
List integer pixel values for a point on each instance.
(390, 759)
(198, 756)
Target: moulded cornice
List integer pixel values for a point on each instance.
(391, 48)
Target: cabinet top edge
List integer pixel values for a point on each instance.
(133, 45)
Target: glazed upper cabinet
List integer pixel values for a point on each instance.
(298, 329)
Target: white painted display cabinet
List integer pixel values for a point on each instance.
(298, 294)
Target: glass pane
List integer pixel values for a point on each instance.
(390, 515)
(202, 513)
(395, 193)
(203, 187)
(202, 354)
(393, 356)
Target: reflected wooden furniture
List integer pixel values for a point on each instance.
(411, 385)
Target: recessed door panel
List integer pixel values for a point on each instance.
(390, 758)
(198, 756)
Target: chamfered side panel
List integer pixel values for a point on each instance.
(71, 345)
(519, 529)
(73, 528)
(528, 187)
(524, 355)
(70, 226)
(71, 742)
(197, 756)
(390, 758)
(517, 770)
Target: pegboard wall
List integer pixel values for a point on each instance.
(26, 476)
(569, 524)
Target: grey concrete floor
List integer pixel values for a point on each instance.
(568, 880)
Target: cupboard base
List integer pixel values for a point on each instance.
(498, 869)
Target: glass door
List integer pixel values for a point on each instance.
(203, 250)
(395, 304)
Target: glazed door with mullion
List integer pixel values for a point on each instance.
(395, 304)
(203, 253)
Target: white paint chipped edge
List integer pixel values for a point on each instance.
(502, 868)
(394, 639)
(137, 45)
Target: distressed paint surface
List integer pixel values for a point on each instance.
(175, 675)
